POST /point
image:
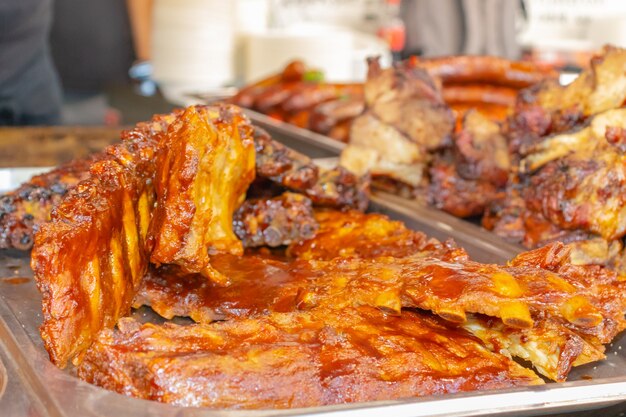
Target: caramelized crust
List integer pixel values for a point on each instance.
(597, 89)
(22, 211)
(579, 182)
(294, 171)
(586, 299)
(291, 360)
(276, 221)
(467, 178)
(89, 259)
(355, 234)
(541, 307)
(205, 164)
(259, 285)
(283, 165)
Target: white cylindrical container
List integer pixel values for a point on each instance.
(193, 43)
(326, 48)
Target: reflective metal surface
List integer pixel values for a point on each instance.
(310, 143)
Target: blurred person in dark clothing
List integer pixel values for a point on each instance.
(30, 92)
(94, 43)
(91, 44)
(92, 48)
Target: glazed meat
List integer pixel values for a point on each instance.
(259, 284)
(543, 307)
(578, 178)
(561, 312)
(355, 234)
(205, 164)
(22, 211)
(465, 179)
(357, 308)
(404, 121)
(287, 168)
(89, 259)
(517, 293)
(289, 360)
(275, 222)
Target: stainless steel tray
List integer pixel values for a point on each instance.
(308, 142)
(36, 387)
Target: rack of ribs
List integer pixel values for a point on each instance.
(364, 309)
(125, 206)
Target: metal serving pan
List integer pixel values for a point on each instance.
(35, 387)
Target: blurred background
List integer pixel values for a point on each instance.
(114, 62)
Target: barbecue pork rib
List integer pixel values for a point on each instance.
(405, 119)
(275, 221)
(261, 283)
(22, 211)
(563, 313)
(90, 258)
(297, 359)
(205, 164)
(468, 176)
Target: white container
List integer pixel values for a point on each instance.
(326, 48)
(572, 24)
(608, 30)
(193, 43)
